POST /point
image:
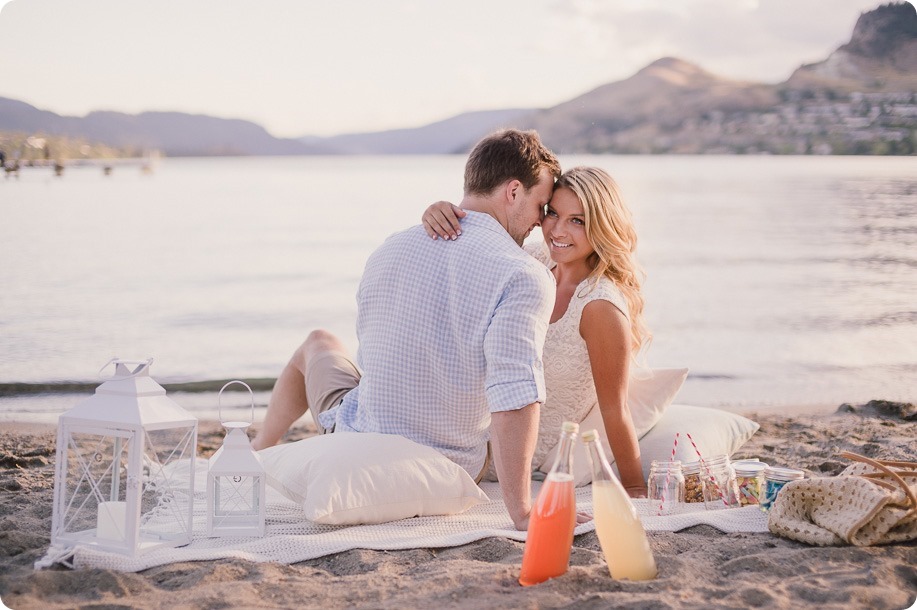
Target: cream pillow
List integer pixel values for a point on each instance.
(714, 432)
(649, 392)
(359, 478)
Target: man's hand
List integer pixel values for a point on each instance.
(522, 524)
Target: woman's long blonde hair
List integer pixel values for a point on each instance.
(610, 231)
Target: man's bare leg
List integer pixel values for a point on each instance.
(288, 399)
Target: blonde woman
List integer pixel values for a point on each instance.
(597, 325)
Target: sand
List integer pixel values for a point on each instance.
(699, 567)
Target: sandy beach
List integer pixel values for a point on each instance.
(698, 568)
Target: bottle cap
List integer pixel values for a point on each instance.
(569, 427)
(589, 436)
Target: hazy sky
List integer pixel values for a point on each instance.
(302, 67)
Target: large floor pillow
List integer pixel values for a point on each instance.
(362, 478)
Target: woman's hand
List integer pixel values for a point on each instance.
(442, 220)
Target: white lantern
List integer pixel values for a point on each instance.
(124, 479)
(235, 481)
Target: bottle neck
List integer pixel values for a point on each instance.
(601, 470)
(563, 463)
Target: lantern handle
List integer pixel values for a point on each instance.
(142, 366)
(220, 403)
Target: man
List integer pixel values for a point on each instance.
(450, 335)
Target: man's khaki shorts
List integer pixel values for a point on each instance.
(329, 377)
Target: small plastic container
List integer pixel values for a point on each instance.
(750, 481)
(666, 487)
(774, 480)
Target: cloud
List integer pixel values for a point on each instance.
(750, 39)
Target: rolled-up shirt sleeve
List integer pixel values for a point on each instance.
(515, 339)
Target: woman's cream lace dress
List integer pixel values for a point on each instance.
(568, 377)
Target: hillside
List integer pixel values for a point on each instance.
(452, 135)
(642, 113)
(172, 133)
(881, 55)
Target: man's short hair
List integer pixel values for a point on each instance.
(509, 154)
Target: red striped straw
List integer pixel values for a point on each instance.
(707, 469)
(668, 475)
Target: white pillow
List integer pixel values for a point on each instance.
(353, 478)
(649, 392)
(715, 432)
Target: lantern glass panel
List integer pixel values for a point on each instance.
(95, 465)
(236, 500)
(166, 493)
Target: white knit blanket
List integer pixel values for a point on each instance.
(290, 538)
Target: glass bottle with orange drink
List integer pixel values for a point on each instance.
(621, 534)
(553, 518)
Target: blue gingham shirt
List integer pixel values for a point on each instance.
(449, 332)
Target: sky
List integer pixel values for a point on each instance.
(307, 67)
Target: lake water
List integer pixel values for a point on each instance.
(778, 281)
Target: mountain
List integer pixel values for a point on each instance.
(452, 135)
(173, 133)
(634, 115)
(881, 54)
(861, 100)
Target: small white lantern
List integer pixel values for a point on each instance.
(124, 478)
(235, 481)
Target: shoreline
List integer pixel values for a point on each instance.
(696, 565)
(44, 408)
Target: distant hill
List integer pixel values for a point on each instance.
(452, 135)
(639, 114)
(173, 133)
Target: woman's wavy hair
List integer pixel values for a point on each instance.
(610, 231)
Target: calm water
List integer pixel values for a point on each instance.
(777, 280)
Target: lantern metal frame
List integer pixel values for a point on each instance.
(124, 473)
(236, 481)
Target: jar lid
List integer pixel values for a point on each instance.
(749, 468)
(692, 467)
(570, 427)
(675, 464)
(783, 474)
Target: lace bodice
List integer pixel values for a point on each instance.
(569, 384)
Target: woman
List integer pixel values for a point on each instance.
(597, 325)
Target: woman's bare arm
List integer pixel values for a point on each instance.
(607, 334)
